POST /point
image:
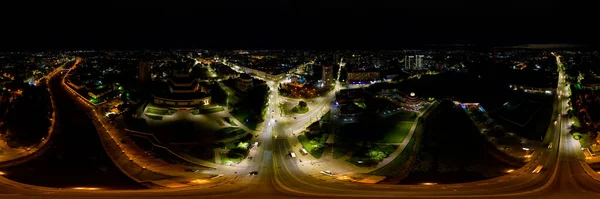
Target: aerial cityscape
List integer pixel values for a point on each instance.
(298, 100)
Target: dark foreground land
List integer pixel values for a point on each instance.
(451, 150)
(76, 158)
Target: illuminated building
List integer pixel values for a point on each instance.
(183, 91)
(244, 82)
(363, 76)
(413, 62)
(327, 75)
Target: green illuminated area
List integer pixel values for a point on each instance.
(95, 101)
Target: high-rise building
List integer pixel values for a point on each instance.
(144, 72)
(327, 75)
(419, 62)
(408, 62)
(413, 62)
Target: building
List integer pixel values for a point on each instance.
(182, 91)
(408, 62)
(144, 72)
(419, 62)
(245, 82)
(413, 62)
(327, 76)
(362, 76)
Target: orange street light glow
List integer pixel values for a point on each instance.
(200, 181)
(86, 188)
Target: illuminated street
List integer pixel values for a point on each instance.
(299, 99)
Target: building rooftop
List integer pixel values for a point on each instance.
(182, 79)
(181, 96)
(189, 87)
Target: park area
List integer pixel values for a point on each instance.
(314, 143)
(198, 133)
(371, 140)
(528, 115)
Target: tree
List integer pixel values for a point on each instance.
(302, 104)
(302, 107)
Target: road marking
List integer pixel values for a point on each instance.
(420, 187)
(483, 183)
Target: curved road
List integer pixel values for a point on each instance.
(565, 175)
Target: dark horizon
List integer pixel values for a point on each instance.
(295, 25)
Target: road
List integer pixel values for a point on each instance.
(564, 176)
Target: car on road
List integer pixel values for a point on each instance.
(303, 151)
(253, 173)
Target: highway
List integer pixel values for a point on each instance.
(565, 174)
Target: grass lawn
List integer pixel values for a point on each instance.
(397, 133)
(341, 146)
(212, 110)
(226, 160)
(404, 116)
(208, 110)
(230, 121)
(371, 155)
(243, 115)
(314, 145)
(326, 117)
(300, 110)
(229, 132)
(231, 144)
(154, 117)
(584, 139)
(394, 167)
(159, 111)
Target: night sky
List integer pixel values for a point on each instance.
(322, 24)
